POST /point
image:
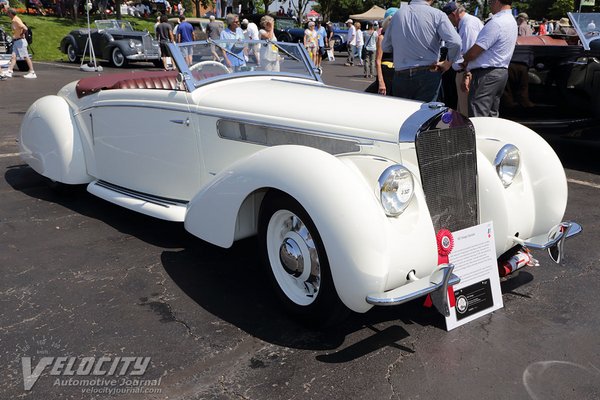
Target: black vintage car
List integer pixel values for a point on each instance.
(113, 40)
(554, 80)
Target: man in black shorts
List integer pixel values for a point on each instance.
(164, 33)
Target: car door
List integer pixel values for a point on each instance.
(144, 140)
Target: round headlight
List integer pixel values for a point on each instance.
(396, 188)
(508, 163)
(131, 43)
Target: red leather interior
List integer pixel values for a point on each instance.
(166, 80)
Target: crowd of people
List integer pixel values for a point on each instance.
(479, 56)
(403, 54)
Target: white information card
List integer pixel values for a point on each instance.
(474, 259)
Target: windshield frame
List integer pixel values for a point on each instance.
(300, 60)
(116, 24)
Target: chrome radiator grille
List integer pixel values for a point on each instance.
(448, 166)
(147, 42)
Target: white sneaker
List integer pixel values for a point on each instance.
(7, 74)
(30, 75)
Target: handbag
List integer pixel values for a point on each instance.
(363, 53)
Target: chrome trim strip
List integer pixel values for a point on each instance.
(287, 129)
(159, 201)
(120, 103)
(313, 132)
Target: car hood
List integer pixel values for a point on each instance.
(307, 105)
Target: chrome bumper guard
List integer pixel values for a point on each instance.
(553, 241)
(143, 57)
(437, 284)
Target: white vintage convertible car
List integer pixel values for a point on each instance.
(347, 205)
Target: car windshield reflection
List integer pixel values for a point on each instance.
(587, 26)
(114, 24)
(209, 60)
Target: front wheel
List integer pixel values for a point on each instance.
(72, 53)
(296, 262)
(117, 58)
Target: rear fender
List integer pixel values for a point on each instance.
(344, 209)
(50, 141)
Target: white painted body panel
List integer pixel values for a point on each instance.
(50, 141)
(130, 141)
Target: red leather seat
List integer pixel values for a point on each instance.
(166, 80)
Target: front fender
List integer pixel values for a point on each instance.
(50, 141)
(69, 39)
(537, 198)
(344, 209)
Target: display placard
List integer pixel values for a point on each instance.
(474, 259)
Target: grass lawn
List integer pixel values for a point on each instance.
(48, 31)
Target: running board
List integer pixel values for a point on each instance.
(158, 207)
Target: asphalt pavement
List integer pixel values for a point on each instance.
(86, 280)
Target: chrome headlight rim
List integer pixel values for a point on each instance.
(508, 164)
(396, 189)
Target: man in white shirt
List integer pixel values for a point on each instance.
(252, 34)
(488, 59)
(350, 42)
(468, 29)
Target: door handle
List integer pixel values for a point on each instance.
(181, 122)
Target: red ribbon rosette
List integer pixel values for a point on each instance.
(445, 244)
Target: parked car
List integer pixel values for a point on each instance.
(199, 25)
(346, 208)
(113, 40)
(340, 37)
(562, 74)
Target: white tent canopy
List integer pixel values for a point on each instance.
(374, 13)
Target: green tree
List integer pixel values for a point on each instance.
(560, 8)
(197, 4)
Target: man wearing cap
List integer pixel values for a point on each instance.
(468, 28)
(523, 25)
(414, 35)
(350, 42)
(488, 59)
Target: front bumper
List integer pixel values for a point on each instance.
(437, 283)
(553, 241)
(143, 57)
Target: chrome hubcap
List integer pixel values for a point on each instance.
(293, 257)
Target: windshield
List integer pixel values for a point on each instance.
(213, 60)
(587, 26)
(283, 24)
(114, 24)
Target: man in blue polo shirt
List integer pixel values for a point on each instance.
(415, 34)
(185, 34)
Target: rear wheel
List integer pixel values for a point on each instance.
(117, 58)
(72, 53)
(296, 262)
